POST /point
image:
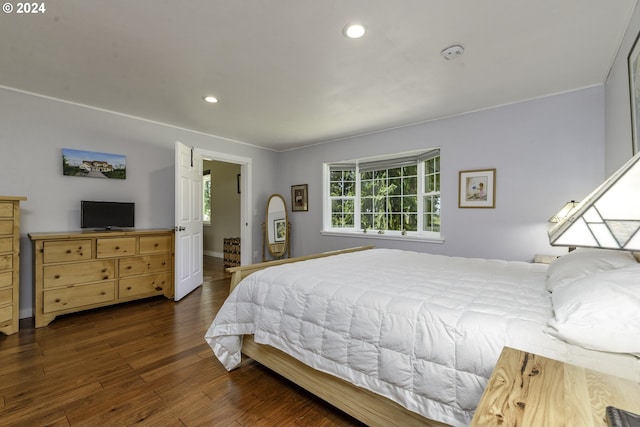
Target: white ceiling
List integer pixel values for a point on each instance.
(287, 77)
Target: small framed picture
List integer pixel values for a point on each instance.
(299, 198)
(477, 189)
(280, 230)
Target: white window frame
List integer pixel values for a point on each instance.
(420, 235)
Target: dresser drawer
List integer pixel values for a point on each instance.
(83, 272)
(6, 313)
(155, 244)
(6, 279)
(6, 244)
(67, 250)
(6, 227)
(144, 265)
(6, 262)
(6, 296)
(116, 246)
(152, 283)
(78, 296)
(6, 209)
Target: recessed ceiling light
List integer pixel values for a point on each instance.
(210, 99)
(354, 31)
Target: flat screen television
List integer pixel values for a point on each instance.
(106, 215)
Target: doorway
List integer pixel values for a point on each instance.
(220, 220)
(189, 199)
(233, 188)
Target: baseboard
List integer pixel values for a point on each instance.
(213, 254)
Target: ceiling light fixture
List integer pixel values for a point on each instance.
(354, 31)
(210, 99)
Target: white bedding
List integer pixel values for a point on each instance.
(424, 330)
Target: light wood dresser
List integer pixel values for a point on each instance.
(530, 390)
(10, 264)
(89, 269)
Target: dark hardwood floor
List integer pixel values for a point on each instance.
(145, 363)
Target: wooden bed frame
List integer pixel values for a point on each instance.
(364, 405)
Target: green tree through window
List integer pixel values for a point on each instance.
(392, 194)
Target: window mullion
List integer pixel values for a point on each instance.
(387, 200)
(421, 179)
(357, 202)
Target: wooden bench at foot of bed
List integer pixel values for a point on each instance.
(364, 405)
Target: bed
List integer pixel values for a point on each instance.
(398, 337)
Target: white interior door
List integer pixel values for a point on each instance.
(188, 216)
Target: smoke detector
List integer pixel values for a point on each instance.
(452, 52)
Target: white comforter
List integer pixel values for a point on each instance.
(424, 330)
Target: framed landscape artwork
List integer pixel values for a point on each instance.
(477, 188)
(93, 164)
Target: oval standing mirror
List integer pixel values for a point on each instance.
(276, 227)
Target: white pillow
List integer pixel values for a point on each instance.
(585, 261)
(600, 312)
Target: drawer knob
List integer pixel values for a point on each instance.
(104, 270)
(158, 288)
(164, 263)
(156, 245)
(68, 251)
(129, 267)
(57, 299)
(57, 276)
(117, 248)
(103, 293)
(105, 277)
(128, 288)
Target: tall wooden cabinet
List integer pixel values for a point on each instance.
(89, 269)
(9, 263)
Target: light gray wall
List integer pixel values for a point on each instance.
(33, 130)
(225, 207)
(618, 103)
(546, 151)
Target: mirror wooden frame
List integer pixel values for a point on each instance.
(276, 229)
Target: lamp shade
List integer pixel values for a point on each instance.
(609, 217)
(566, 210)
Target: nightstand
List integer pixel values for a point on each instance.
(530, 390)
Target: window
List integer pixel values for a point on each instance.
(343, 195)
(399, 195)
(206, 197)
